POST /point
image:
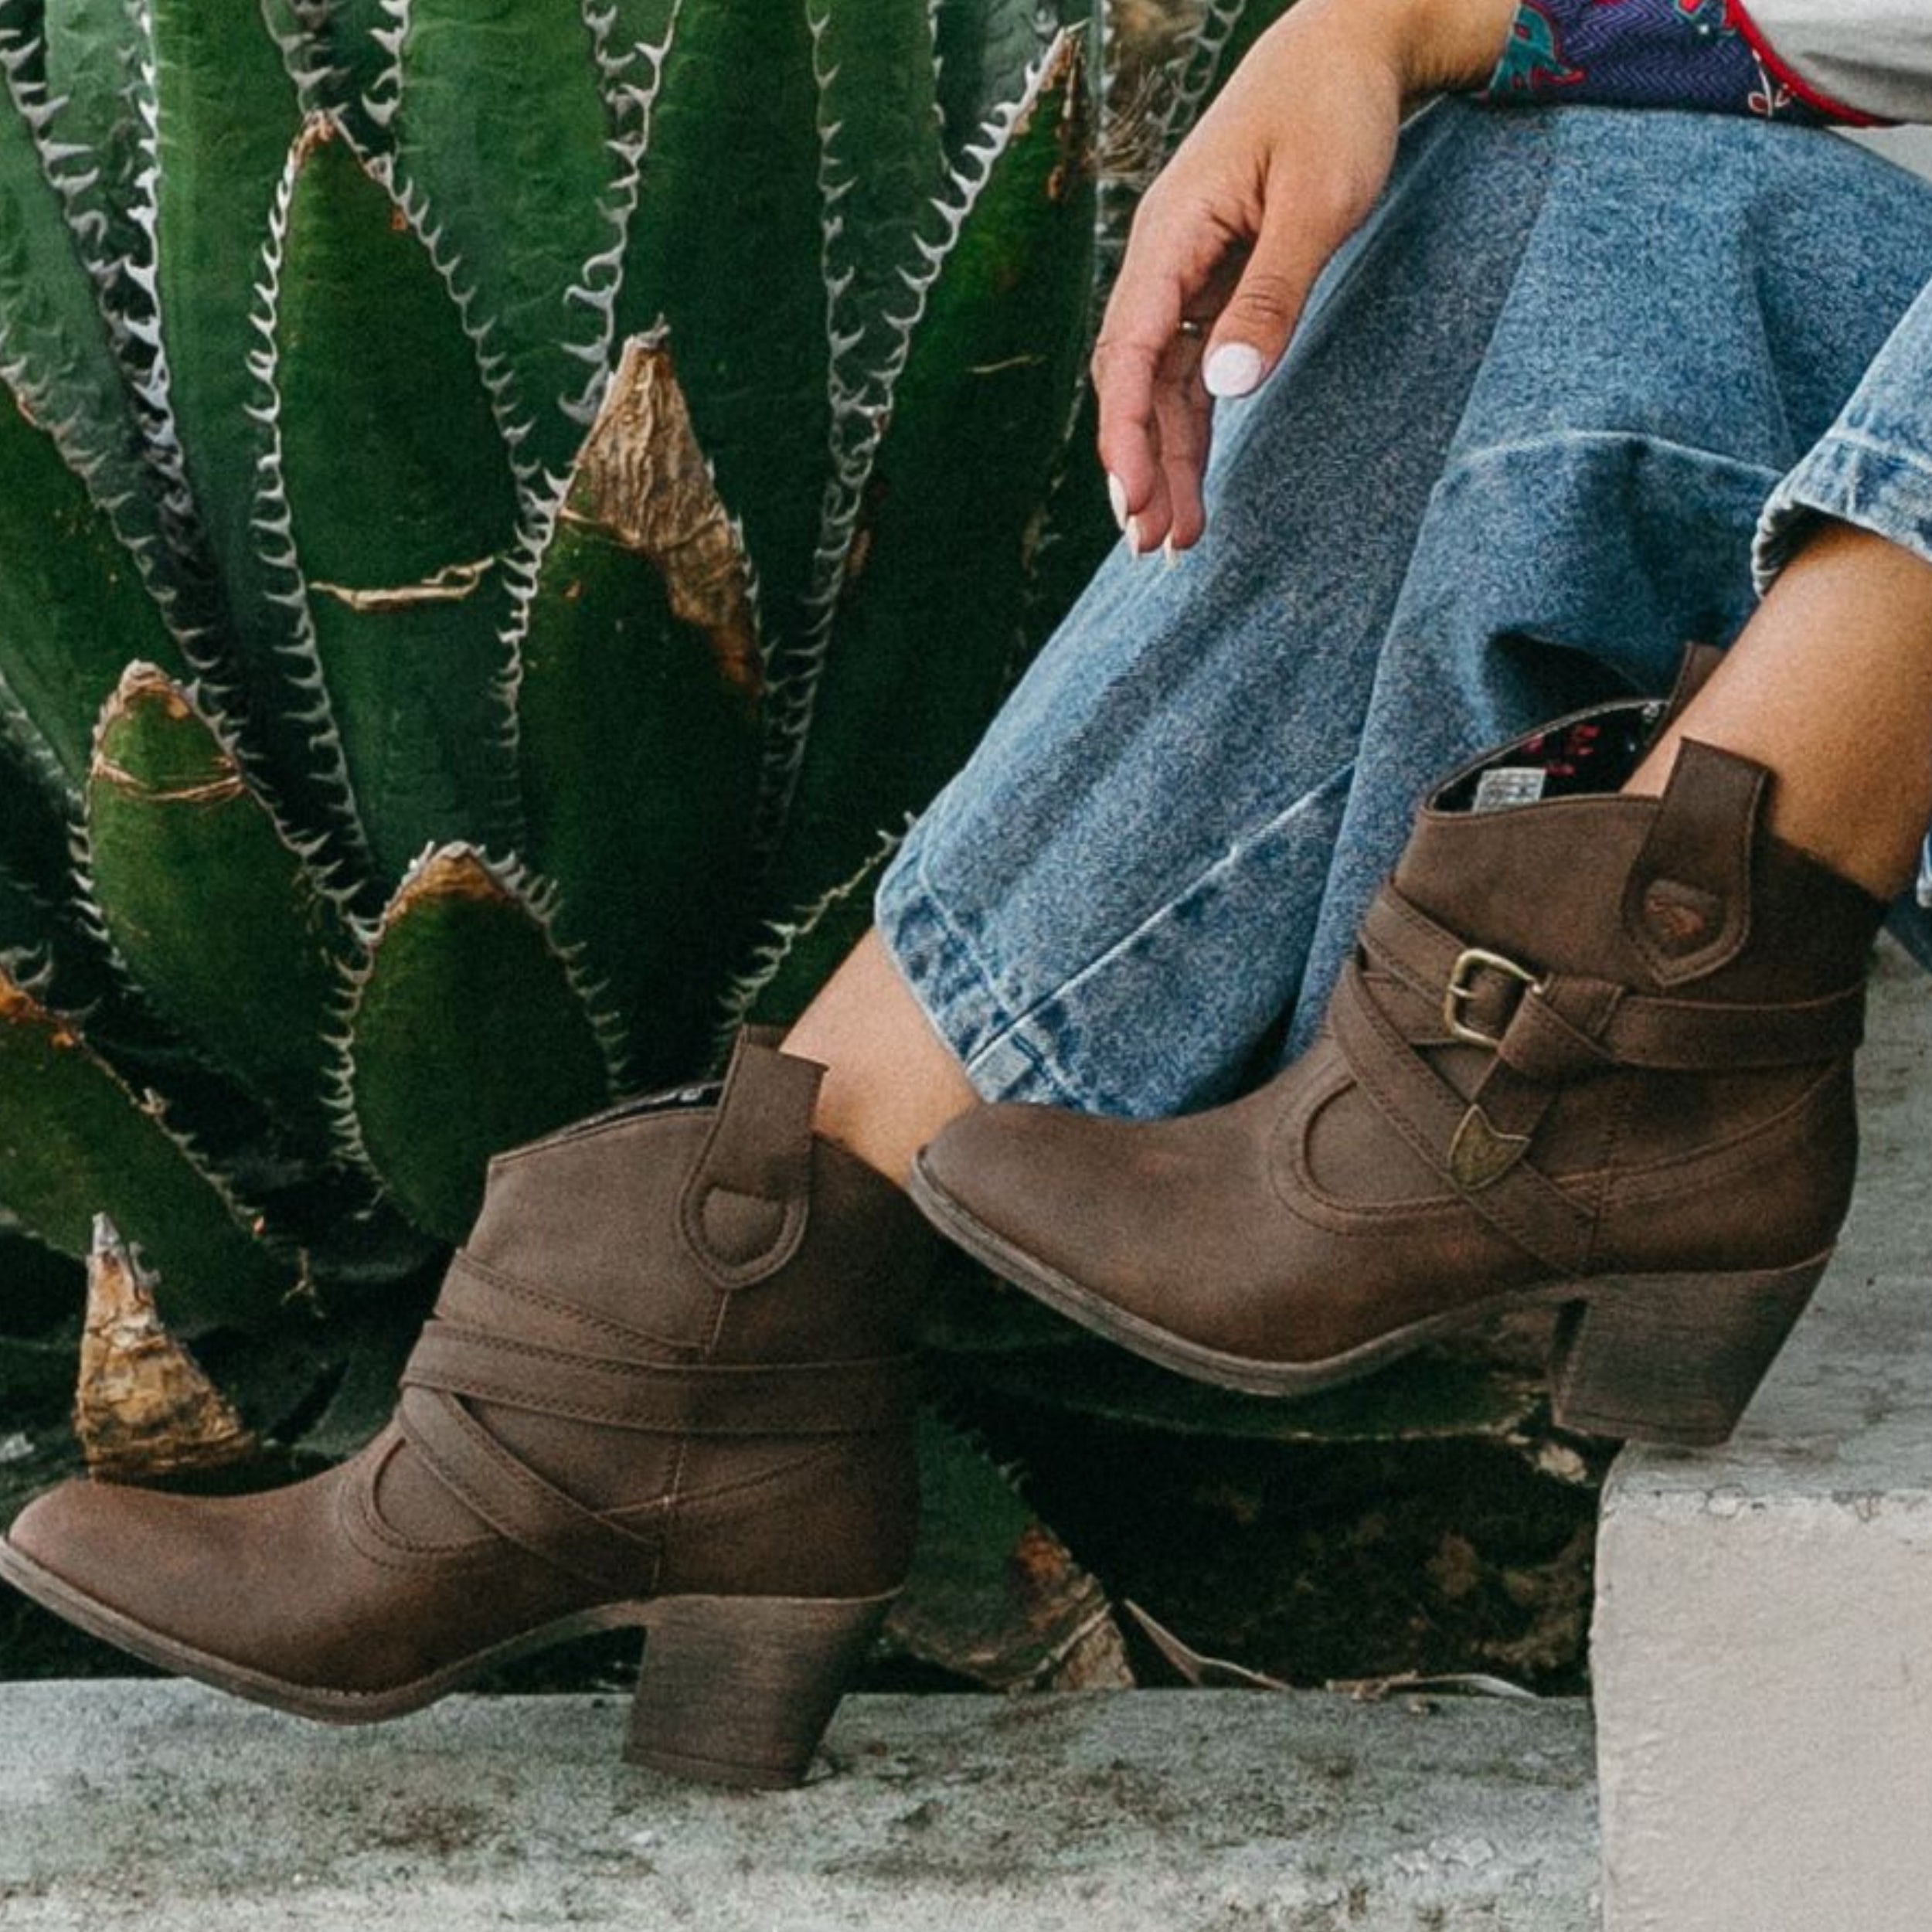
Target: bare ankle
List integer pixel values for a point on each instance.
(1830, 686)
(891, 1082)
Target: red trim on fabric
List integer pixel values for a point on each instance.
(1781, 71)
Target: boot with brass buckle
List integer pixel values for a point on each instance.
(1593, 1050)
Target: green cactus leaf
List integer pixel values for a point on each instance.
(55, 352)
(399, 548)
(638, 24)
(301, 30)
(984, 50)
(73, 1139)
(800, 953)
(26, 926)
(93, 50)
(34, 827)
(883, 170)
(468, 1035)
(48, 941)
(929, 618)
(73, 610)
(502, 143)
(638, 709)
(223, 117)
(217, 916)
(23, 31)
(80, 61)
(884, 175)
(727, 248)
(81, 78)
(351, 69)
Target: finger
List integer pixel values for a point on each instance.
(1184, 414)
(1128, 441)
(1146, 524)
(1252, 329)
(1168, 270)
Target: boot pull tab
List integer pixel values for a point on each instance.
(743, 1206)
(1687, 906)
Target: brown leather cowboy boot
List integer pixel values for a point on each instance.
(1592, 1050)
(668, 1382)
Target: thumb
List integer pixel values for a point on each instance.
(1252, 330)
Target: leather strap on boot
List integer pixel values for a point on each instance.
(666, 1398)
(455, 1364)
(1544, 1030)
(1553, 1026)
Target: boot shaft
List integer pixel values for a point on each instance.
(623, 1268)
(711, 1220)
(1533, 856)
(1534, 846)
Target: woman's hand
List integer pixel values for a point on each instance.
(1273, 179)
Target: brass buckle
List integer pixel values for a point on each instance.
(1459, 992)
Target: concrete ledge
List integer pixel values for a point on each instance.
(1136, 1812)
(1763, 1648)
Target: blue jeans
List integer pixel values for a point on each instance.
(1582, 370)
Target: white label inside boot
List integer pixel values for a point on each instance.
(1503, 786)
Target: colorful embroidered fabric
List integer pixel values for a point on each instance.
(1652, 53)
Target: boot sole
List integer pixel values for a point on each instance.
(732, 1690)
(1670, 1359)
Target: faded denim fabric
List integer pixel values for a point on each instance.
(1517, 456)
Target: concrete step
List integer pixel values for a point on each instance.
(1762, 1653)
(169, 1805)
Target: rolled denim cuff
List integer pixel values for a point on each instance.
(1858, 480)
(1861, 480)
(955, 986)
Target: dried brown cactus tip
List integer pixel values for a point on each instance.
(144, 1409)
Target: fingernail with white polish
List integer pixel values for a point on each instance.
(1233, 370)
(1116, 495)
(1136, 543)
(1170, 553)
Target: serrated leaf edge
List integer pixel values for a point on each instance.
(248, 1219)
(536, 897)
(859, 423)
(782, 935)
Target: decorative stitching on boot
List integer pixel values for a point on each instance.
(463, 1262)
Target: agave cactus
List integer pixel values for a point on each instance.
(506, 508)
(505, 513)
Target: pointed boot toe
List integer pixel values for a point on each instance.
(668, 1383)
(1593, 1052)
(201, 1585)
(1024, 1167)
(75, 1537)
(1140, 1229)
